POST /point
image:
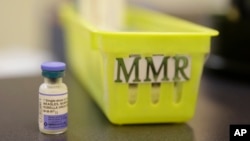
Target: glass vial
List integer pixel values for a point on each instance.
(53, 99)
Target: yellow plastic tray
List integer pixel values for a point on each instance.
(147, 73)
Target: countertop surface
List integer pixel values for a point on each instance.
(221, 102)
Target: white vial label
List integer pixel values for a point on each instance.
(53, 111)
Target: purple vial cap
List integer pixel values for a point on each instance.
(53, 66)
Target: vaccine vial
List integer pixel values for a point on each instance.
(53, 99)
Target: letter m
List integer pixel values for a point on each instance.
(155, 72)
(121, 68)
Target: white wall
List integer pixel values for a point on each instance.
(21, 22)
(17, 23)
(24, 36)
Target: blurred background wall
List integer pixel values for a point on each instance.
(24, 36)
(23, 22)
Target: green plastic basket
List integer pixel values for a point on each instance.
(148, 73)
